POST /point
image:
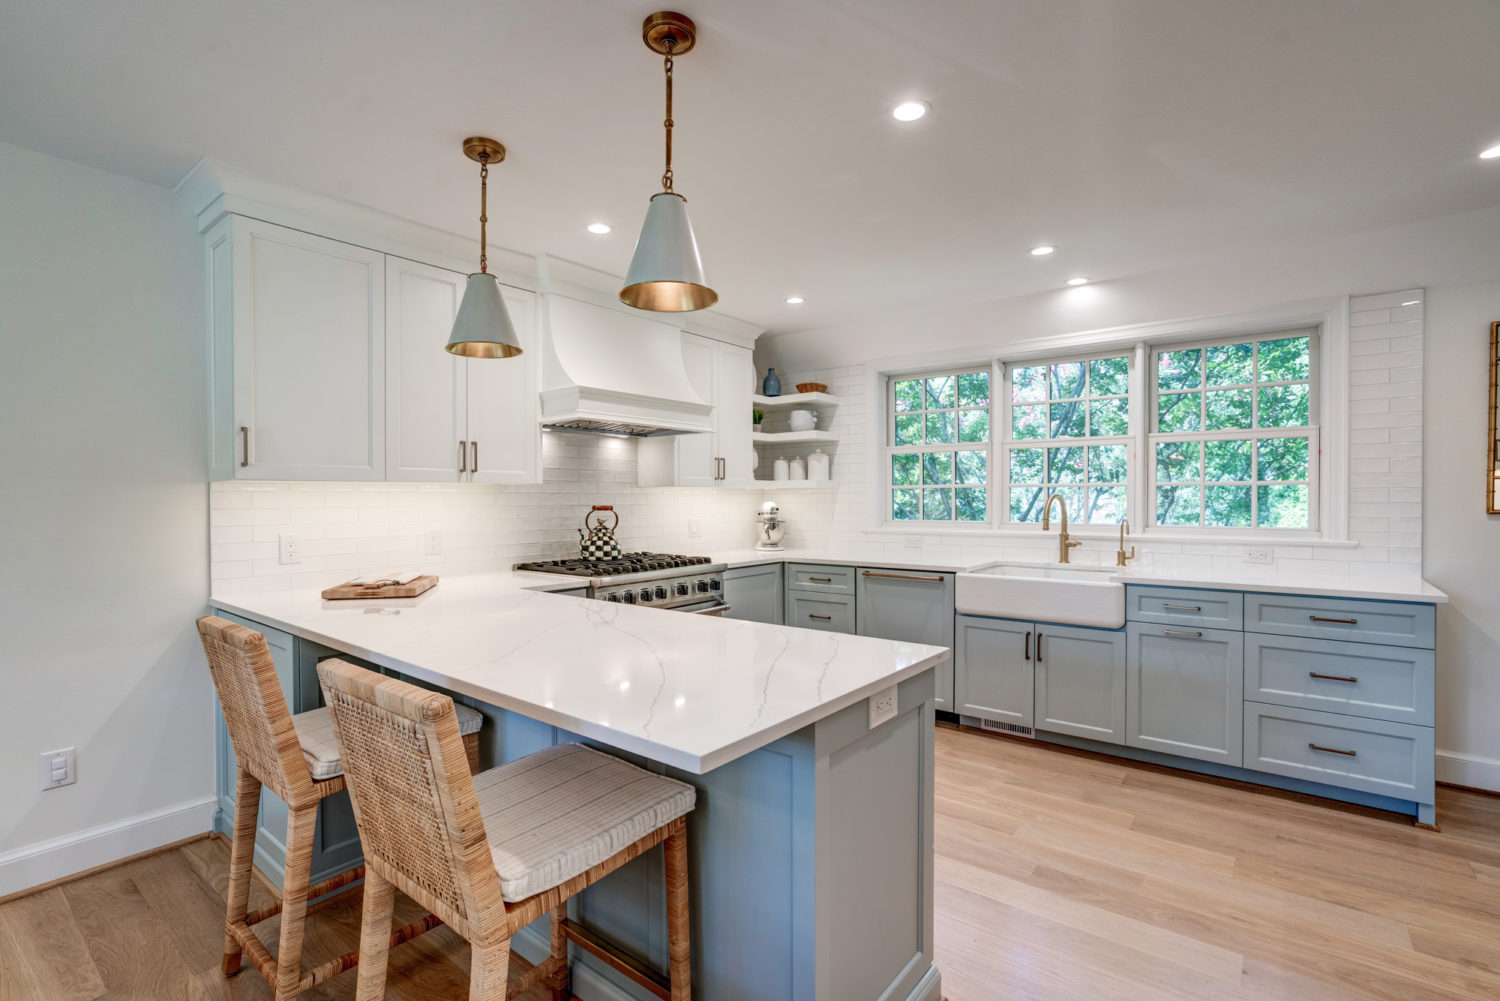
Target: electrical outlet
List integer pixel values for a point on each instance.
(289, 549)
(1258, 554)
(432, 542)
(882, 706)
(57, 768)
(912, 542)
(695, 528)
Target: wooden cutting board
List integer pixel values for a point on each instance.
(411, 590)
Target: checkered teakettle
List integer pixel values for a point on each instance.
(599, 542)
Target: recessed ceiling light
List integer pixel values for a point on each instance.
(909, 111)
(1043, 250)
(599, 228)
(1078, 281)
(1490, 154)
(794, 300)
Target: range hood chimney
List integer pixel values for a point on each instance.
(612, 372)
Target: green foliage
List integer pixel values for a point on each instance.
(908, 395)
(1109, 417)
(1179, 369)
(974, 389)
(906, 470)
(1109, 376)
(1178, 411)
(970, 504)
(940, 392)
(1285, 360)
(757, 415)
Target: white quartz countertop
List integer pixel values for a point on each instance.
(691, 691)
(1360, 584)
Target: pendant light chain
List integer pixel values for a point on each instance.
(484, 217)
(666, 178)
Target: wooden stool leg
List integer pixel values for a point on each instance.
(559, 981)
(489, 968)
(241, 857)
(375, 937)
(301, 824)
(679, 930)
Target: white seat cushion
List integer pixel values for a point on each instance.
(554, 814)
(321, 750)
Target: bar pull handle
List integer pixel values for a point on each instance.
(1342, 622)
(903, 576)
(1330, 677)
(1038, 646)
(463, 457)
(244, 446)
(1183, 608)
(1332, 750)
(1028, 644)
(821, 618)
(473, 456)
(1182, 632)
(822, 580)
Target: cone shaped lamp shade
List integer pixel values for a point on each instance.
(482, 328)
(666, 273)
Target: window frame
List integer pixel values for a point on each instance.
(889, 448)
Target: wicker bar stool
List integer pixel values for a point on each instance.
(492, 852)
(296, 757)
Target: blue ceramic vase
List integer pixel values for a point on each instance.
(772, 385)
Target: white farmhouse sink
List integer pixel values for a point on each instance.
(1075, 593)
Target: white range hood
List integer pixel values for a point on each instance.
(606, 370)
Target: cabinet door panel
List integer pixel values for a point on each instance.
(1080, 681)
(912, 607)
(309, 349)
(425, 398)
(732, 406)
(994, 676)
(754, 594)
(696, 452)
(503, 428)
(1185, 690)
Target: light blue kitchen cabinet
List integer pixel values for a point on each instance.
(832, 613)
(994, 678)
(754, 593)
(912, 606)
(1184, 691)
(1080, 681)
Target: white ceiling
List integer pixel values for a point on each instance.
(1134, 135)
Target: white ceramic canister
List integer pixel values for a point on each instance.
(799, 469)
(779, 470)
(817, 465)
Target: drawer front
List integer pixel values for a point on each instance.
(833, 612)
(812, 577)
(1175, 606)
(1395, 622)
(1382, 682)
(1377, 756)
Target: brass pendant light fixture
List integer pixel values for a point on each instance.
(666, 273)
(482, 328)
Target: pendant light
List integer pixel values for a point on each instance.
(666, 273)
(482, 328)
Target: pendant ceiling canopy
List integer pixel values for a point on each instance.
(482, 328)
(666, 273)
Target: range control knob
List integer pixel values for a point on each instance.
(715, 584)
(680, 588)
(628, 597)
(702, 586)
(611, 596)
(645, 594)
(661, 592)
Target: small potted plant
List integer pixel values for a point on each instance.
(756, 416)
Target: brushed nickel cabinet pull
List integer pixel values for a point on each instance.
(463, 457)
(1332, 750)
(1330, 677)
(1182, 632)
(244, 446)
(1183, 608)
(1342, 622)
(903, 576)
(822, 618)
(1028, 644)
(822, 580)
(473, 456)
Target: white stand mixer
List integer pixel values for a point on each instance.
(772, 528)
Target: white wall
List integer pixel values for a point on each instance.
(103, 512)
(347, 529)
(1462, 543)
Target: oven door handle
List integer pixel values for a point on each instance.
(716, 609)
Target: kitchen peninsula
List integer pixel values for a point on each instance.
(811, 843)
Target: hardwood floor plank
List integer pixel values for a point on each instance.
(42, 952)
(1486, 873)
(130, 946)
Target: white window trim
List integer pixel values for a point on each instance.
(1329, 316)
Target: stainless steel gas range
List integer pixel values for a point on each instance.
(657, 580)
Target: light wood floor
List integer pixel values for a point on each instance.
(1060, 876)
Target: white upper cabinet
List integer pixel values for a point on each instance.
(298, 355)
(452, 419)
(722, 374)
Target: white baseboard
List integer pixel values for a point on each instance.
(1457, 768)
(32, 865)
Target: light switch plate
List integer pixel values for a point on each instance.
(57, 768)
(882, 706)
